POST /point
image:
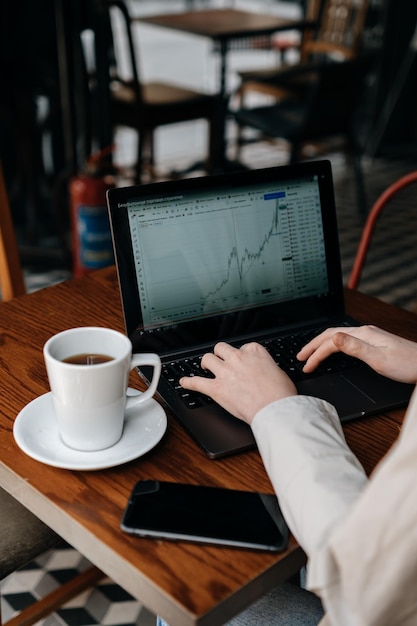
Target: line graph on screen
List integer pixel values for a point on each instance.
(221, 257)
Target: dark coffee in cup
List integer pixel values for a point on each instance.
(88, 359)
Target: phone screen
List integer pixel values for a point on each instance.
(205, 514)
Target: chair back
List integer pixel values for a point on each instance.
(340, 29)
(124, 70)
(11, 275)
(379, 206)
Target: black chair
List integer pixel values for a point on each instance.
(147, 106)
(336, 35)
(328, 111)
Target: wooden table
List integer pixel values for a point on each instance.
(186, 583)
(224, 26)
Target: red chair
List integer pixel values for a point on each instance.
(370, 224)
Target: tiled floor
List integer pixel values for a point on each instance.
(107, 604)
(392, 272)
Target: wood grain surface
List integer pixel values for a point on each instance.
(225, 23)
(186, 583)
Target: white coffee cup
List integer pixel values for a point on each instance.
(90, 400)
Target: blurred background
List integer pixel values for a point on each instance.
(56, 59)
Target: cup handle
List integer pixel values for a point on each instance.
(145, 359)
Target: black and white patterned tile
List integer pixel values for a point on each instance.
(106, 604)
(38, 279)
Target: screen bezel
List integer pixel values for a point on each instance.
(230, 326)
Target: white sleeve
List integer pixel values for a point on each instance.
(314, 473)
(370, 561)
(360, 536)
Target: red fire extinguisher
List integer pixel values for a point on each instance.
(90, 228)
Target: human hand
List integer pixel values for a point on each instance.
(387, 354)
(246, 379)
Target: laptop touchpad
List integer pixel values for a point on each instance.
(336, 389)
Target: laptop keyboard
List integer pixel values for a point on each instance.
(173, 371)
(282, 349)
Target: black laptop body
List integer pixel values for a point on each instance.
(238, 257)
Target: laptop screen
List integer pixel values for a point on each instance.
(215, 253)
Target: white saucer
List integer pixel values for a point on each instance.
(36, 433)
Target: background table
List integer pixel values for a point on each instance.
(186, 583)
(224, 26)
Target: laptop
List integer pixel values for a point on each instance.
(237, 257)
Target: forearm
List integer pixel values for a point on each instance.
(370, 564)
(315, 475)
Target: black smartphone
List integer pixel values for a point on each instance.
(178, 511)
